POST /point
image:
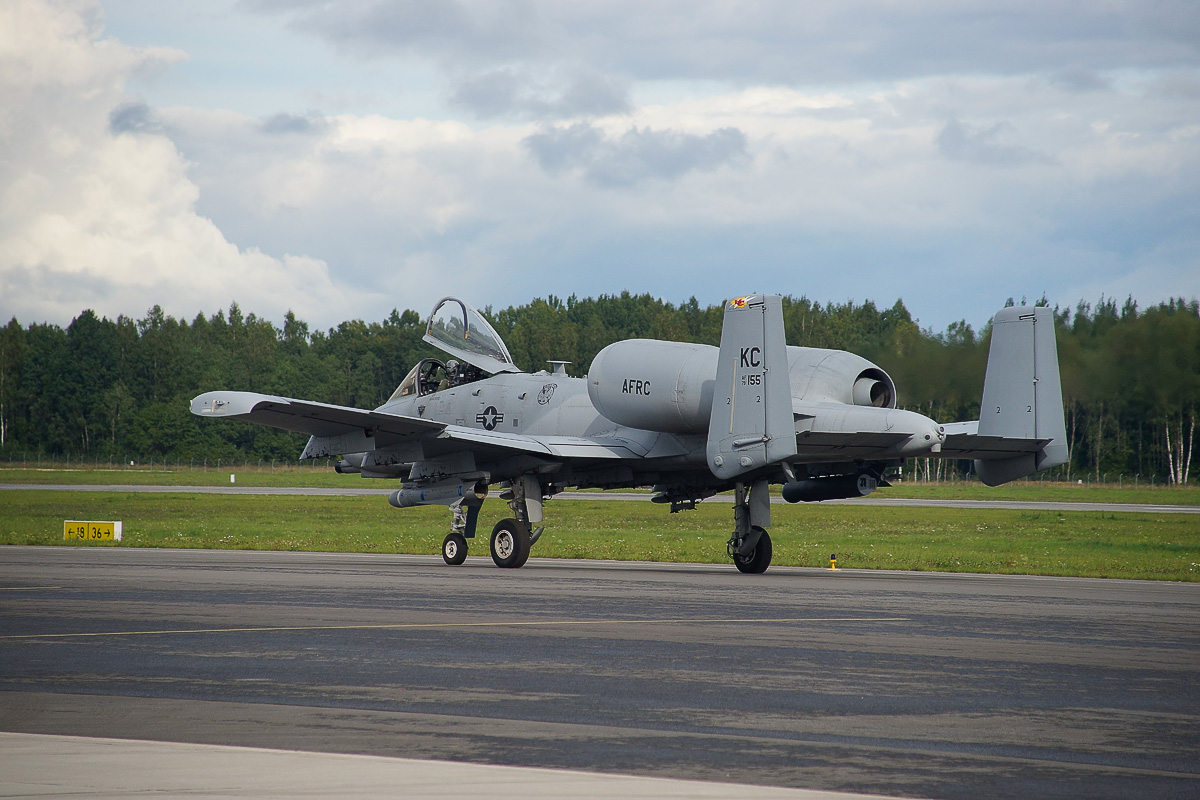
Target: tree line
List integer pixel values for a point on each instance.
(104, 389)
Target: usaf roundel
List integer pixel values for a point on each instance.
(489, 418)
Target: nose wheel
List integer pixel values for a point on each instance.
(454, 549)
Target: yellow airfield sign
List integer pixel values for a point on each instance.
(92, 531)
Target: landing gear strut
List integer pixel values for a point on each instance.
(750, 544)
(454, 546)
(512, 538)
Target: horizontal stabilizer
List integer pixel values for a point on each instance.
(963, 441)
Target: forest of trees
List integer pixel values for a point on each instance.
(111, 390)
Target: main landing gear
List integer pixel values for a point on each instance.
(512, 538)
(510, 543)
(759, 557)
(750, 544)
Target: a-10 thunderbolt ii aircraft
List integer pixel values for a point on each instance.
(690, 420)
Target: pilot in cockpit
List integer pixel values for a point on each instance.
(449, 375)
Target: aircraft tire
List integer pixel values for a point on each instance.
(758, 561)
(510, 544)
(454, 549)
(524, 558)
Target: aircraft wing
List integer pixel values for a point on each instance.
(341, 429)
(303, 416)
(843, 445)
(840, 432)
(455, 436)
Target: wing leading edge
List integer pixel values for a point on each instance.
(340, 429)
(305, 416)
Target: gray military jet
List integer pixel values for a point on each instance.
(690, 420)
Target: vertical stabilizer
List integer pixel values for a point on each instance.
(751, 424)
(1022, 394)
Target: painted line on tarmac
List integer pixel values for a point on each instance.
(459, 625)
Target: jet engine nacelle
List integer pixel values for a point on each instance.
(837, 376)
(655, 385)
(668, 386)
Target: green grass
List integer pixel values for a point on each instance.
(1116, 545)
(1053, 492)
(320, 476)
(311, 475)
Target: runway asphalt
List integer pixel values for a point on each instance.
(903, 684)
(882, 500)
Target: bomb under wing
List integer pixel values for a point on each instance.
(689, 420)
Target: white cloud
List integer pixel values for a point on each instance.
(952, 188)
(834, 195)
(96, 206)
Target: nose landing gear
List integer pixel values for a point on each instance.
(454, 548)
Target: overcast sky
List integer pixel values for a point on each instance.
(344, 159)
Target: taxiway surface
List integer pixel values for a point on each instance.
(920, 685)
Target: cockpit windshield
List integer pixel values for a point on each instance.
(464, 333)
(422, 379)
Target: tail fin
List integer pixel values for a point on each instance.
(1022, 394)
(751, 424)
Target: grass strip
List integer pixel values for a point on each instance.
(1114, 545)
(316, 475)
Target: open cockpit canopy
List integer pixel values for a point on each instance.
(463, 333)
